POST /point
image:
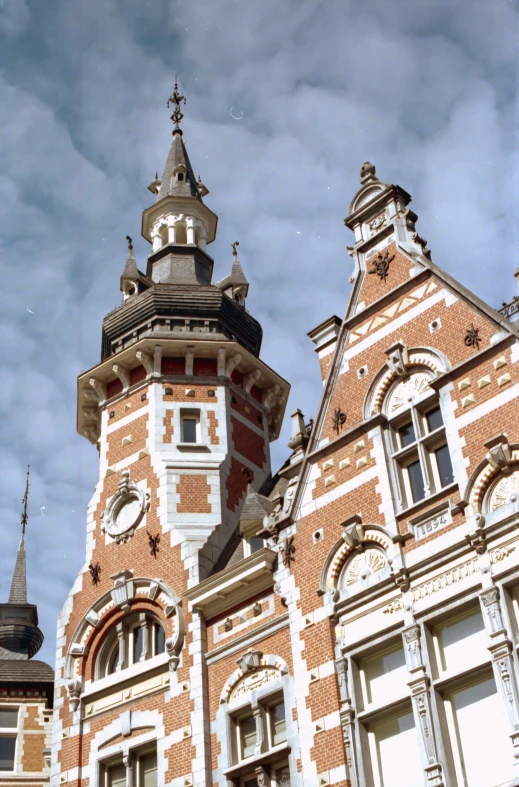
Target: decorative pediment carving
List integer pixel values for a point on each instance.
(398, 359)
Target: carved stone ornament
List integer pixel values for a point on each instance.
(407, 391)
(254, 680)
(377, 223)
(398, 359)
(74, 692)
(506, 490)
(271, 521)
(363, 565)
(125, 510)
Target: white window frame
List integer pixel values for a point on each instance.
(422, 448)
(11, 732)
(191, 415)
(442, 671)
(107, 649)
(135, 755)
(389, 648)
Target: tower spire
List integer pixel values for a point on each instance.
(18, 593)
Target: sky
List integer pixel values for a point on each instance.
(285, 100)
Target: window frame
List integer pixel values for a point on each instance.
(11, 732)
(135, 756)
(112, 644)
(188, 414)
(421, 449)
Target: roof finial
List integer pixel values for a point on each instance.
(176, 98)
(25, 515)
(130, 243)
(367, 172)
(234, 249)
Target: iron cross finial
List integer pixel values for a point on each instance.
(130, 243)
(25, 515)
(234, 249)
(176, 98)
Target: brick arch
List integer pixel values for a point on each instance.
(265, 661)
(373, 534)
(129, 594)
(419, 358)
(483, 478)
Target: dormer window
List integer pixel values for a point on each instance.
(180, 176)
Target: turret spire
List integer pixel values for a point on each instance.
(18, 594)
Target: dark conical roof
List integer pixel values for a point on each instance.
(170, 185)
(18, 594)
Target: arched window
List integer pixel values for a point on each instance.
(163, 235)
(421, 463)
(138, 637)
(180, 232)
(503, 491)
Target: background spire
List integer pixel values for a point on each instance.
(18, 593)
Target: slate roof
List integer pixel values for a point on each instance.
(169, 185)
(18, 594)
(12, 671)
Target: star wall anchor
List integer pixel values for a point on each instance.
(339, 419)
(472, 337)
(95, 573)
(381, 264)
(154, 542)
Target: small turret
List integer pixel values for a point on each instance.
(235, 285)
(132, 280)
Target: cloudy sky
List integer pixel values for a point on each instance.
(425, 90)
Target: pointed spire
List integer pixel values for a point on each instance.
(18, 594)
(178, 179)
(130, 269)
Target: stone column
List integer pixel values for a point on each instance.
(419, 684)
(501, 649)
(122, 661)
(347, 717)
(190, 230)
(143, 623)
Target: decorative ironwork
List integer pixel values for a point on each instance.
(309, 426)
(130, 243)
(25, 515)
(509, 309)
(234, 249)
(381, 264)
(95, 573)
(153, 542)
(288, 550)
(339, 419)
(176, 98)
(472, 337)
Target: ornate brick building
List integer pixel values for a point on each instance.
(26, 685)
(351, 620)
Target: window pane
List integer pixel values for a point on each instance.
(247, 736)
(189, 430)
(278, 723)
(255, 544)
(250, 782)
(386, 676)
(159, 639)
(148, 766)
(416, 481)
(8, 717)
(7, 749)
(137, 643)
(482, 729)
(398, 753)
(443, 460)
(407, 435)
(434, 419)
(112, 661)
(463, 642)
(117, 776)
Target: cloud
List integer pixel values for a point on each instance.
(425, 90)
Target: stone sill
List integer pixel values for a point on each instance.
(421, 506)
(194, 447)
(118, 679)
(234, 584)
(278, 752)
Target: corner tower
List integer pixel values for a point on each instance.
(181, 410)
